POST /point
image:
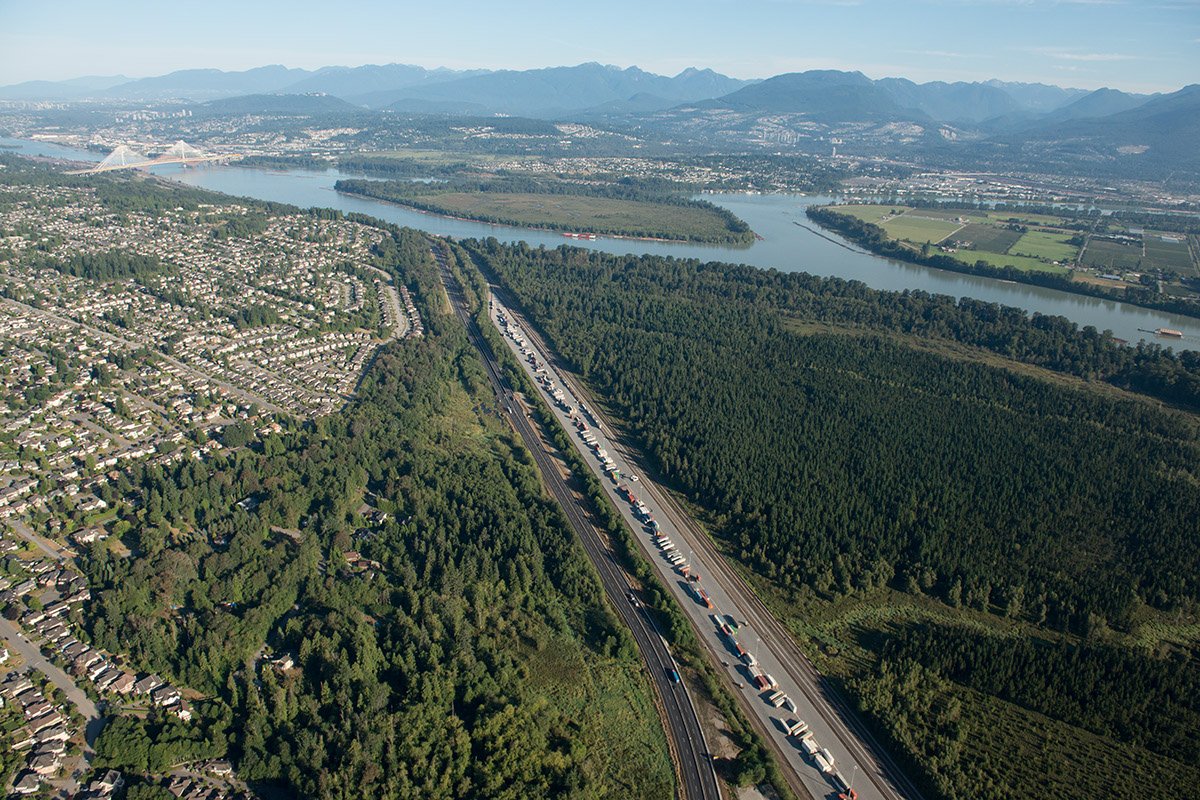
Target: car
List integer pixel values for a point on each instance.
(633, 600)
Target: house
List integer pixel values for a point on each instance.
(109, 782)
(106, 678)
(28, 783)
(123, 684)
(45, 763)
(147, 684)
(50, 734)
(165, 696)
(45, 721)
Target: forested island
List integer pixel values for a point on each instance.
(568, 207)
(942, 497)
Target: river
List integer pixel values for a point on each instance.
(784, 245)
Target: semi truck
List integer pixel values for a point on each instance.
(796, 727)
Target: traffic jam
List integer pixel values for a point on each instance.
(678, 562)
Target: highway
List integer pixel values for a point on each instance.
(693, 762)
(858, 762)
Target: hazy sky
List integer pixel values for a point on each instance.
(1137, 45)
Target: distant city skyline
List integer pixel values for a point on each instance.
(1150, 46)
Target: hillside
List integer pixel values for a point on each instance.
(281, 104)
(559, 90)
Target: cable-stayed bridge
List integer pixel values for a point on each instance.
(125, 157)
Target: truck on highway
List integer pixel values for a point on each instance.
(847, 792)
(796, 727)
(673, 674)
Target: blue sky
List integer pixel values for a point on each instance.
(1136, 45)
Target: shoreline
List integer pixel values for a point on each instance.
(1002, 274)
(523, 226)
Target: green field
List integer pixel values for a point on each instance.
(953, 214)
(1168, 253)
(875, 214)
(1002, 260)
(1041, 244)
(1109, 254)
(987, 237)
(919, 230)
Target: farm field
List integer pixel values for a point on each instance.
(870, 213)
(919, 230)
(952, 214)
(1003, 260)
(987, 237)
(1042, 244)
(1168, 253)
(1109, 254)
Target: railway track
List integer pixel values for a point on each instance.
(693, 763)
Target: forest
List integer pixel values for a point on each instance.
(616, 209)
(840, 455)
(449, 637)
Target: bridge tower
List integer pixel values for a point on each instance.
(123, 156)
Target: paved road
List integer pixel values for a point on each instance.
(858, 760)
(33, 657)
(47, 547)
(693, 761)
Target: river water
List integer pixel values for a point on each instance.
(784, 245)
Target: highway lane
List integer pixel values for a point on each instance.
(858, 760)
(689, 750)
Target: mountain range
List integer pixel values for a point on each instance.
(595, 89)
(699, 105)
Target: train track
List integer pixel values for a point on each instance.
(693, 763)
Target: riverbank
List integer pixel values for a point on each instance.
(875, 240)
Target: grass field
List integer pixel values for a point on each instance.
(1002, 260)
(953, 214)
(1040, 244)
(584, 214)
(1108, 254)
(613, 707)
(987, 237)
(870, 213)
(919, 230)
